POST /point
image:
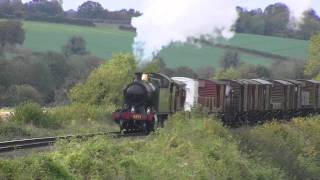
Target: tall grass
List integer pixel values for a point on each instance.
(293, 147)
(185, 149)
(30, 120)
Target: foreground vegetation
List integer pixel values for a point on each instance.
(31, 121)
(186, 149)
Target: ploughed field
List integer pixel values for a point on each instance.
(102, 41)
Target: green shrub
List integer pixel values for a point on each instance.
(13, 130)
(40, 167)
(78, 112)
(293, 147)
(185, 149)
(31, 113)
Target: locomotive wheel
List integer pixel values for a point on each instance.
(145, 128)
(155, 123)
(121, 126)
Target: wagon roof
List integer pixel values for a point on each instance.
(180, 83)
(184, 79)
(314, 81)
(248, 81)
(294, 81)
(214, 81)
(262, 81)
(283, 82)
(309, 81)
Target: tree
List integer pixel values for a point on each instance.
(230, 73)
(277, 17)
(230, 59)
(75, 46)
(44, 8)
(312, 67)
(151, 67)
(105, 84)
(21, 93)
(11, 32)
(184, 71)
(310, 25)
(263, 72)
(205, 72)
(290, 69)
(250, 21)
(6, 78)
(58, 67)
(91, 10)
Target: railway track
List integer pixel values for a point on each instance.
(9, 146)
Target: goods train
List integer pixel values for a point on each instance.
(152, 97)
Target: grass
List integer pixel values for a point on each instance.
(281, 46)
(192, 56)
(185, 149)
(197, 148)
(105, 40)
(102, 41)
(29, 121)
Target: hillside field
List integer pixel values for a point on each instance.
(103, 41)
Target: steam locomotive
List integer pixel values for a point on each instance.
(153, 96)
(148, 101)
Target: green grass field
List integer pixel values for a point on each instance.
(103, 41)
(275, 45)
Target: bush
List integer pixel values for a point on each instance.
(78, 113)
(293, 147)
(31, 113)
(104, 85)
(185, 149)
(12, 131)
(21, 93)
(79, 22)
(41, 167)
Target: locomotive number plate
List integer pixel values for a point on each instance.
(137, 117)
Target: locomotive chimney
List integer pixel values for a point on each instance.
(139, 76)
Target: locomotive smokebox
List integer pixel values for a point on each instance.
(135, 94)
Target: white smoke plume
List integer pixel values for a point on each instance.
(166, 21)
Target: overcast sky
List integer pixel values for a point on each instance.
(136, 4)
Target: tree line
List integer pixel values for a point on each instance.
(52, 11)
(275, 20)
(44, 78)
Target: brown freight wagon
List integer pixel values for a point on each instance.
(233, 96)
(249, 95)
(212, 95)
(241, 96)
(296, 99)
(282, 92)
(264, 95)
(310, 94)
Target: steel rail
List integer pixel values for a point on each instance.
(9, 146)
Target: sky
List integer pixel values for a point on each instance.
(137, 4)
